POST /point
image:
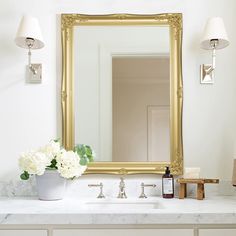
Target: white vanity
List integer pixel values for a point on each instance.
(129, 217)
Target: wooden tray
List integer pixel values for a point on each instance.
(200, 186)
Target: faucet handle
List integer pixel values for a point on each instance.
(143, 195)
(101, 195)
(122, 193)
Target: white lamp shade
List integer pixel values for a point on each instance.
(214, 29)
(29, 28)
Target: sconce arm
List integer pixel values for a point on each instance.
(213, 66)
(34, 70)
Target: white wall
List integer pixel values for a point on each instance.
(29, 113)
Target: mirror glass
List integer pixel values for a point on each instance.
(122, 92)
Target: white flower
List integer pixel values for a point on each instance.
(33, 162)
(51, 149)
(68, 164)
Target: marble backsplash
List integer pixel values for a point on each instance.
(79, 188)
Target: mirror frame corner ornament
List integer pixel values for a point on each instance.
(174, 21)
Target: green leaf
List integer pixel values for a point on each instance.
(85, 152)
(80, 150)
(89, 153)
(24, 176)
(83, 162)
(53, 164)
(57, 140)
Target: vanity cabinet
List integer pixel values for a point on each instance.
(124, 232)
(217, 232)
(117, 232)
(18, 232)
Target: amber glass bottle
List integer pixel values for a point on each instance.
(167, 184)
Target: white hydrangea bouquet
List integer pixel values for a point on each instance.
(69, 164)
(52, 166)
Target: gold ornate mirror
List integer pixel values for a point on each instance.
(122, 90)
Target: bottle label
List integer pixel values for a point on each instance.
(167, 185)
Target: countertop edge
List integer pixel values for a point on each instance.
(118, 219)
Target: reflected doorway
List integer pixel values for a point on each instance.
(141, 108)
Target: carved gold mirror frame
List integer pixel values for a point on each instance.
(174, 21)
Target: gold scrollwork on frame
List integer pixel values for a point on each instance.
(174, 21)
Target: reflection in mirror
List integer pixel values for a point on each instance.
(122, 92)
(141, 101)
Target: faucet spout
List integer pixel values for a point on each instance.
(122, 193)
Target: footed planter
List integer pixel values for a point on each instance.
(50, 186)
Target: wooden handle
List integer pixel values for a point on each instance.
(198, 181)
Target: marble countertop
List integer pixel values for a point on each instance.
(215, 210)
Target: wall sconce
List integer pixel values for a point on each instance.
(29, 36)
(214, 37)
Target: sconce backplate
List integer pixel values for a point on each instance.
(34, 78)
(206, 78)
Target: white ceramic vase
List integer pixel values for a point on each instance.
(50, 186)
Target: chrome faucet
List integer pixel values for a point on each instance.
(122, 193)
(101, 195)
(143, 195)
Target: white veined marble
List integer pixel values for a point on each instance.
(217, 210)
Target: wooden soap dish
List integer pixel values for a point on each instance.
(200, 186)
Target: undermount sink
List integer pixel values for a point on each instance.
(123, 204)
